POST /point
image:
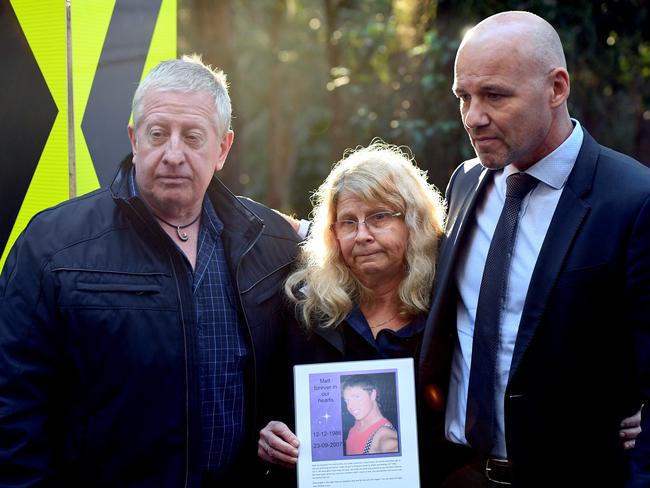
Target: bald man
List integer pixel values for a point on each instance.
(537, 343)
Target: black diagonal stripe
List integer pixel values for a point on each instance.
(118, 73)
(27, 113)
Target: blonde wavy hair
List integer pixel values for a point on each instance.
(323, 288)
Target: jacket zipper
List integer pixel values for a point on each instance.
(248, 330)
(187, 379)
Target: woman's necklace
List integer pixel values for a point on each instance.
(183, 236)
(384, 322)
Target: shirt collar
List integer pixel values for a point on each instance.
(210, 218)
(358, 322)
(555, 168)
(133, 187)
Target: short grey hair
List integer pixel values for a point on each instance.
(187, 75)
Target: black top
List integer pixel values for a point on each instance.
(361, 345)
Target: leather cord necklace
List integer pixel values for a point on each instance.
(183, 236)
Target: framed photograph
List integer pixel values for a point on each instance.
(356, 423)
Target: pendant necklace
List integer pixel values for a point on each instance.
(183, 236)
(384, 322)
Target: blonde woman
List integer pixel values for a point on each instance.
(363, 282)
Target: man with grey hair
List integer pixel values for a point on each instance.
(542, 295)
(139, 324)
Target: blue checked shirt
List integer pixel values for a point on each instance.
(222, 346)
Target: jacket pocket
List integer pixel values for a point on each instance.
(137, 288)
(101, 289)
(591, 270)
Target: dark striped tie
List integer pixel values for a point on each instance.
(480, 422)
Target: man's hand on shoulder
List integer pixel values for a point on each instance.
(301, 227)
(293, 222)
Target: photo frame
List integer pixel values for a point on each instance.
(356, 422)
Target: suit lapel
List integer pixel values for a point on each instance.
(469, 188)
(565, 224)
(459, 220)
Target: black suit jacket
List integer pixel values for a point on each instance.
(584, 334)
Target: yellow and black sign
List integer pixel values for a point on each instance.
(69, 72)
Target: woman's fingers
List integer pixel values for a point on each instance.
(278, 445)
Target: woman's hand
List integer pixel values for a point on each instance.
(278, 445)
(630, 429)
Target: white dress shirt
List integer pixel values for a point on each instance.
(535, 216)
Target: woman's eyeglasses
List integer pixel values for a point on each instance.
(376, 224)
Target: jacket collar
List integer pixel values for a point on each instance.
(241, 225)
(132, 206)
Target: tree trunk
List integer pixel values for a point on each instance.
(282, 143)
(212, 38)
(339, 119)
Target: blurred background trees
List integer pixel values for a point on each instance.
(311, 78)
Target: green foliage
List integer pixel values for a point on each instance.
(311, 78)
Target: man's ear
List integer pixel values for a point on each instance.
(131, 132)
(561, 86)
(224, 149)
